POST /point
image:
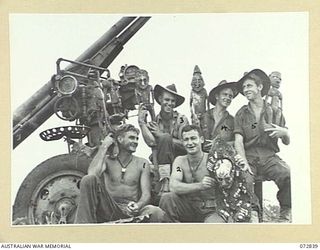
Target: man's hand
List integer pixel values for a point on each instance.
(277, 131)
(132, 208)
(142, 115)
(207, 182)
(155, 130)
(93, 74)
(243, 164)
(207, 145)
(107, 141)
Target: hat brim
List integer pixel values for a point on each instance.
(216, 90)
(262, 75)
(158, 90)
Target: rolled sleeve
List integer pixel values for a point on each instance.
(182, 122)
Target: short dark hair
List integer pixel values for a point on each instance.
(188, 128)
(125, 128)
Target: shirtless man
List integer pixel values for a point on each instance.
(117, 188)
(192, 197)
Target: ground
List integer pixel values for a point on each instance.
(271, 207)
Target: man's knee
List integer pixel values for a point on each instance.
(167, 199)
(88, 181)
(283, 176)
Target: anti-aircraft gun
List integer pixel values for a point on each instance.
(83, 92)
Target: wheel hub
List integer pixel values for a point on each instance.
(55, 200)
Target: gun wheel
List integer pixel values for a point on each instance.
(50, 193)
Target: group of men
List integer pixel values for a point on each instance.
(212, 169)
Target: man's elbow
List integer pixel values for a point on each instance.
(173, 187)
(151, 143)
(94, 171)
(286, 141)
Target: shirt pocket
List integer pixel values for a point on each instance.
(251, 130)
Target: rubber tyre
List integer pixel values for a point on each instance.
(54, 165)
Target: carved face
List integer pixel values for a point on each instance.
(275, 79)
(224, 174)
(197, 83)
(142, 78)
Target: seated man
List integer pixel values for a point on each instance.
(232, 196)
(163, 135)
(258, 144)
(192, 197)
(165, 131)
(218, 123)
(117, 188)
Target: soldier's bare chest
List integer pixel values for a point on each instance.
(123, 172)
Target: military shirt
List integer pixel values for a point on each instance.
(224, 129)
(254, 136)
(176, 124)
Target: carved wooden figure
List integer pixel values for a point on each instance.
(144, 91)
(199, 97)
(274, 98)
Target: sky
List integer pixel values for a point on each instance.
(223, 45)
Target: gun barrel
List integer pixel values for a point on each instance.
(33, 121)
(32, 104)
(115, 30)
(133, 29)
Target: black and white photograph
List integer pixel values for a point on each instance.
(160, 118)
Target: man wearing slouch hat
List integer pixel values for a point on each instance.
(257, 142)
(164, 133)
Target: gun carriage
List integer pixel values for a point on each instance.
(85, 94)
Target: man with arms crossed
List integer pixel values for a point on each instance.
(117, 188)
(257, 143)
